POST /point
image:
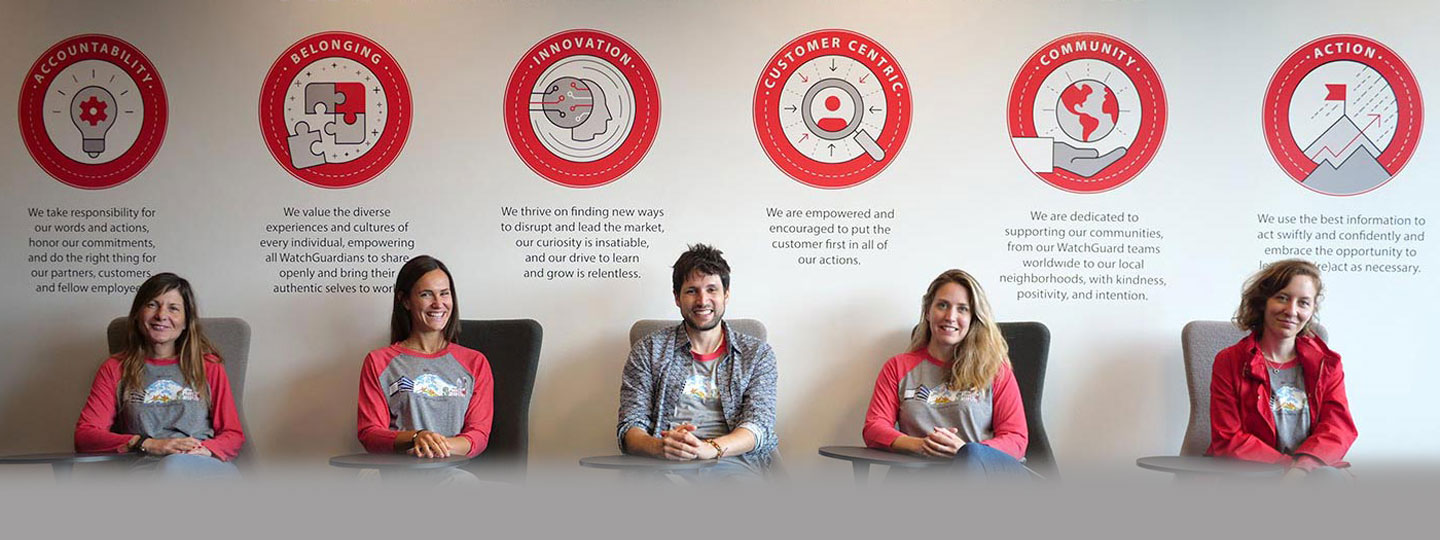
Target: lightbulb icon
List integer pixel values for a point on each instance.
(93, 111)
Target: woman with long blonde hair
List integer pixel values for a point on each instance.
(952, 395)
(165, 394)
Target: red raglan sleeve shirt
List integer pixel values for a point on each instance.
(224, 417)
(374, 422)
(94, 430)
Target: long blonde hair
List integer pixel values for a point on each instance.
(979, 355)
(192, 345)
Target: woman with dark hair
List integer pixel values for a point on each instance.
(1278, 395)
(425, 395)
(953, 394)
(165, 394)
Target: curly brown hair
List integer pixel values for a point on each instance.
(1269, 280)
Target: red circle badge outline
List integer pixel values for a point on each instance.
(350, 173)
(766, 105)
(1151, 91)
(116, 171)
(594, 173)
(1291, 158)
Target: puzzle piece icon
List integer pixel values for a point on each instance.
(346, 132)
(324, 93)
(302, 142)
(353, 103)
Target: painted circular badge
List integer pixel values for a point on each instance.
(1342, 115)
(93, 111)
(335, 109)
(832, 109)
(582, 108)
(1087, 113)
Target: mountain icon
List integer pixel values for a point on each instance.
(1339, 141)
(1360, 172)
(1345, 160)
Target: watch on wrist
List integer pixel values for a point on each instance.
(140, 444)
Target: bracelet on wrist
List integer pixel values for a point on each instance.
(719, 450)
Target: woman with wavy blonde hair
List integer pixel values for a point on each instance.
(953, 394)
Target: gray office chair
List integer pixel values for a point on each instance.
(1201, 341)
(232, 336)
(645, 327)
(1029, 344)
(513, 349)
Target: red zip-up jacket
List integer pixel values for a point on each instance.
(1243, 426)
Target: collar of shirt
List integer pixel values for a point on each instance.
(682, 341)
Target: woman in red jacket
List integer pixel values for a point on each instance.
(953, 395)
(1278, 395)
(165, 395)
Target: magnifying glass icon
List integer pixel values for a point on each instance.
(834, 127)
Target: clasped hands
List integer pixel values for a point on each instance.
(681, 444)
(429, 444)
(942, 442)
(182, 445)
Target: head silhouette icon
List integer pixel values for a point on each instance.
(598, 119)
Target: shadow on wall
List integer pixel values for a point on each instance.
(1113, 405)
(47, 393)
(300, 402)
(581, 398)
(315, 411)
(849, 380)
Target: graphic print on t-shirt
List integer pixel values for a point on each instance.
(941, 395)
(167, 391)
(432, 385)
(700, 386)
(1289, 399)
(402, 385)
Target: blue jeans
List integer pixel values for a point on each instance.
(980, 461)
(187, 467)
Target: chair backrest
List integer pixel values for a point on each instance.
(1201, 341)
(512, 347)
(645, 327)
(232, 336)
(1029, 353)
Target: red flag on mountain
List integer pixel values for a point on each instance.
(1336, 92)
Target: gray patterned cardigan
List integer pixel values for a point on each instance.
(655, 374)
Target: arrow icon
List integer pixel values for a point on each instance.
(803, 78)
(832, 149)
(873, 110)
(832, 64)
(862, 78)
(791, 108)
(802, 139)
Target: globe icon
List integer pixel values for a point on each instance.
(1087, 110)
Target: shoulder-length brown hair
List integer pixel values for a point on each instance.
(192, 344)
(1269, 280)
(414, 269)
(982, 351)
